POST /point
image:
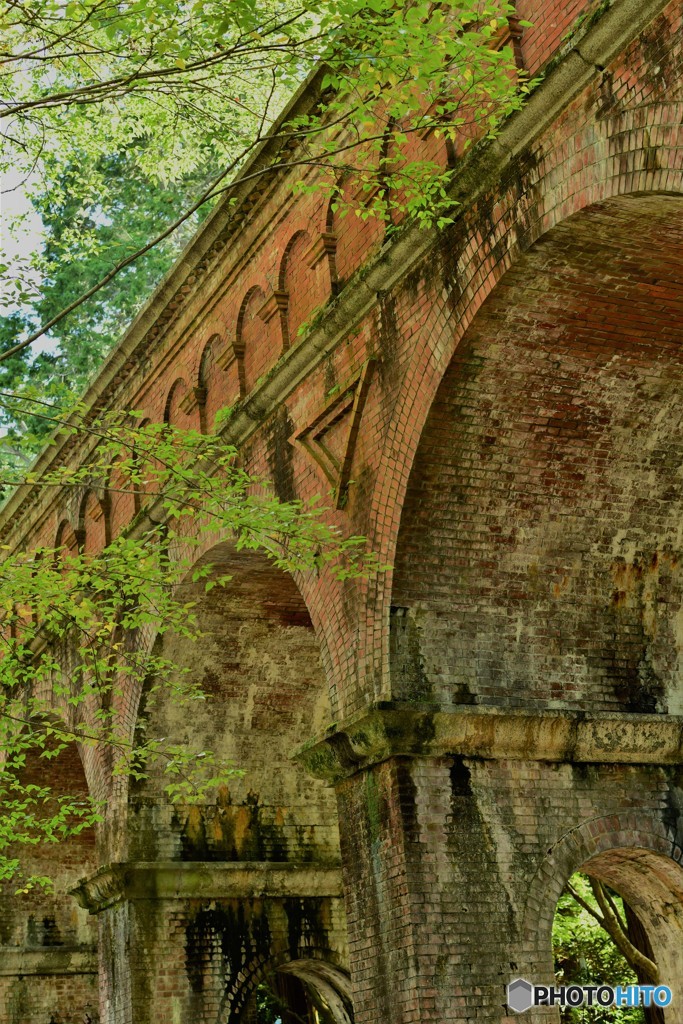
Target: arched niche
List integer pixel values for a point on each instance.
(218, 379)
(180, 409)
(93, 522)
(67, 539)
(304, 279)
(537, 562)
(259, 665)
(123, 497)
(355, 238)
(257, 338)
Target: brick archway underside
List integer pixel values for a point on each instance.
(538, 555)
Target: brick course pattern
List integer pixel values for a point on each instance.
(497, 407)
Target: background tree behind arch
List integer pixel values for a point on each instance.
(585, 950)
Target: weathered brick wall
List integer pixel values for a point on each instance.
(259, 667)
(538, 558)
(468, 860)
(513, 450)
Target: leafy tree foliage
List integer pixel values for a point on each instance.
(77, 628)
(83, 234)
(585, 953)
(172, 89)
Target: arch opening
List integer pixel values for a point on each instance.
(305, 991)
(537, 560)
(619, 921)
(258, 664)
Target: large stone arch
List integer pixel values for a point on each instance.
(206, 893)
(537, 560)
(632, 152)
(259, 665)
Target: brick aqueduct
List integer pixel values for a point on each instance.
(500, 406)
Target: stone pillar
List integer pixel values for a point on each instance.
(188, 943)
(429, 919)
(446, 819)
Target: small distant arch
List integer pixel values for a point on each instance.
(250, 308)
(301, 285)
(250, 337)
(298, 240)
(176, 394)
(67, 540)
(329, 984)
(354, 236)
(93, 520)
(206, 364)
(205, 373)
(123, 498)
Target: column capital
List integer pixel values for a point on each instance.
(388, 729)
(206, 879)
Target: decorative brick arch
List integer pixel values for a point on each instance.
(206, 383)
(614, 162)
(68, 536)
(254, 326)
(292, 295)
(176, 400)
(94, 521)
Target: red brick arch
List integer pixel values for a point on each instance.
(612, 162)
(174, 413)
(255, 329)
(67, 537)
(94, 521)
(260, 657)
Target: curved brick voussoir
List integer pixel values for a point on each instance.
(548, 471)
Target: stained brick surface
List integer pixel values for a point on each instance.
(517, 460)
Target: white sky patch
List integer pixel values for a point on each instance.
(21, 234)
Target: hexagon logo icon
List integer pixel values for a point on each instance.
(520, 995)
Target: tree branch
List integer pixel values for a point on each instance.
(615, 929)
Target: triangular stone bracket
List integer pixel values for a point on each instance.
(344, 409)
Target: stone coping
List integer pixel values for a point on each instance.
(19, 962)
(390, 729)
(205, 880)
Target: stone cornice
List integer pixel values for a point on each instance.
(55, 960)
(593, 46)
(394, 729)
(205, 879)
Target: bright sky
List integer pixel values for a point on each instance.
(21, 233)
